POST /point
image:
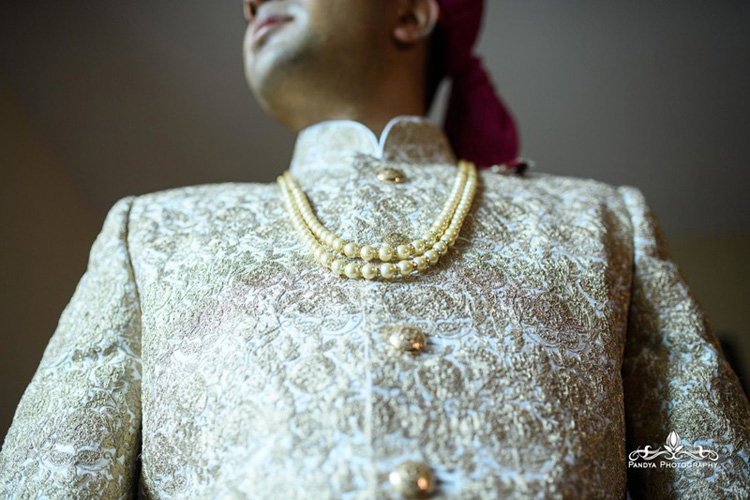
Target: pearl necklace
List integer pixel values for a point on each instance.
(334, 252)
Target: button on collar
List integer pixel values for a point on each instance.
(392, 175)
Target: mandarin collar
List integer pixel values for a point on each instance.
(330, 144)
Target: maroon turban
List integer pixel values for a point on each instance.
(478, 125)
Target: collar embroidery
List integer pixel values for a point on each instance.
(406, 138)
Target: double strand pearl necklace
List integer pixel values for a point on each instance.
(352, 260)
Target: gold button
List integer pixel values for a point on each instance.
(407, 339)
(390, 175)
(412, 479)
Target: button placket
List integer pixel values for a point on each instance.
(398, 343)
(399, 348)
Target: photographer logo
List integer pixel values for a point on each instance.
(673, 454)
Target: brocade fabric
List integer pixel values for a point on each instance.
(204, 353)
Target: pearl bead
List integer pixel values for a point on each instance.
(385, 253)
(405, 267)
(337, 266)
(325, 258)
(318, 252)
(337, 244)
(367, 252)
(387, 270)
(432, 256)
(369, 271)
(420, 263)
(350, 249)
(403, 251)
(352, 270)
(441, 247)
(419, 246)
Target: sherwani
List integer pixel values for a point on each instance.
(206, 354)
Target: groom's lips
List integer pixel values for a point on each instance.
(266, 24)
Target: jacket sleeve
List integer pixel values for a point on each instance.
(679, 389)
(75, 432)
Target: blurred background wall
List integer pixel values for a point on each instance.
(103, 99)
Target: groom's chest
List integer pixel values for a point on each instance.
(522, 324)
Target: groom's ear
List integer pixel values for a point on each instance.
(415, 20)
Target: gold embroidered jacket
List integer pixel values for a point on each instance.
(205, 354)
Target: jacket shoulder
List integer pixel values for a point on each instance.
(210, 191)
(548, 187)
(200, 197)
(548, 181)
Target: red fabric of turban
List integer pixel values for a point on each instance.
(477, 123)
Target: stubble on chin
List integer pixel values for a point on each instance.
(288, 67)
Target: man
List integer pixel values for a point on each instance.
(548, 348)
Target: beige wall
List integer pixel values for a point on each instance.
(48, 226)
